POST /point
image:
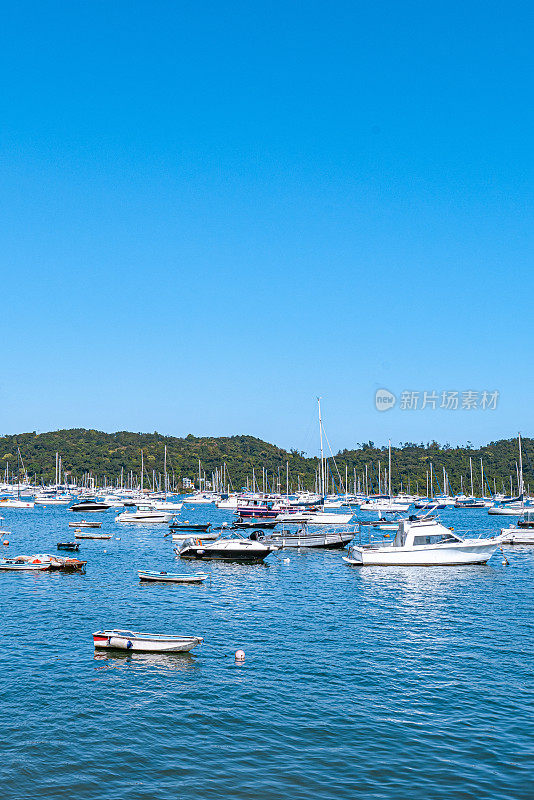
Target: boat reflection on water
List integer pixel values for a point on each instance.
(168, 662)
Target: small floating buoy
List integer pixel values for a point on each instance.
(286, 561)
(105, 551)
(239, 655)
(6, 543)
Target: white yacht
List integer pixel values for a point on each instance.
(201, 498)
(424, 543)
(144, 514)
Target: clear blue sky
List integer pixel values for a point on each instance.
(213, 212)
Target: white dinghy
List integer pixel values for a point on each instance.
(424, 543)
(144, 642)
(171, 577)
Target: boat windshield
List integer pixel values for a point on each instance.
(435, 538)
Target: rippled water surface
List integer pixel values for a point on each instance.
(380, 682)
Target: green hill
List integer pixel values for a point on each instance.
(104, 455)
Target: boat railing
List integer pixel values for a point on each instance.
(469, 533)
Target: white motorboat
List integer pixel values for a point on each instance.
(384, 506)
(144, 514)
(171, 577)
(201, 498)
(315, 518)
(11, 502)
(424, 543)
(166, 505)
(144, 642)
(508, 510)
(52, 500)
(228, 547)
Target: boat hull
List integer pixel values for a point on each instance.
(439, 556)
(161, 577)
(214, 554)
(144, 643)
(145, 519)
(326, 541)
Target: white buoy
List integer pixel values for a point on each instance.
(286, 561)
(239, 655)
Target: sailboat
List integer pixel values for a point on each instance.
(165, 504)
(385, 505)
(514, 507)
(12, 502)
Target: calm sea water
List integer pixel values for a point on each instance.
(384, 683)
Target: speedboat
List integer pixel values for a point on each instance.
(190, 526)
(145, 514)
(68, 545)
(171, 577)
(228, 547)
(144, 642)
(424, 543)
(89, 505)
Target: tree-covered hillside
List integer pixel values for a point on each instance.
(89, 452)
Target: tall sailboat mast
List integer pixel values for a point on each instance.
(521, 486)
(165, 470)
(471, 470)
(321, 438)
(389, 471)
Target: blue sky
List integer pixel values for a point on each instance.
(213, 213)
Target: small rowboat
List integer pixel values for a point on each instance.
(78, 534)
(85, 524)
(144, 642)
(171, 577)
(68, 545)
(66, 564)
